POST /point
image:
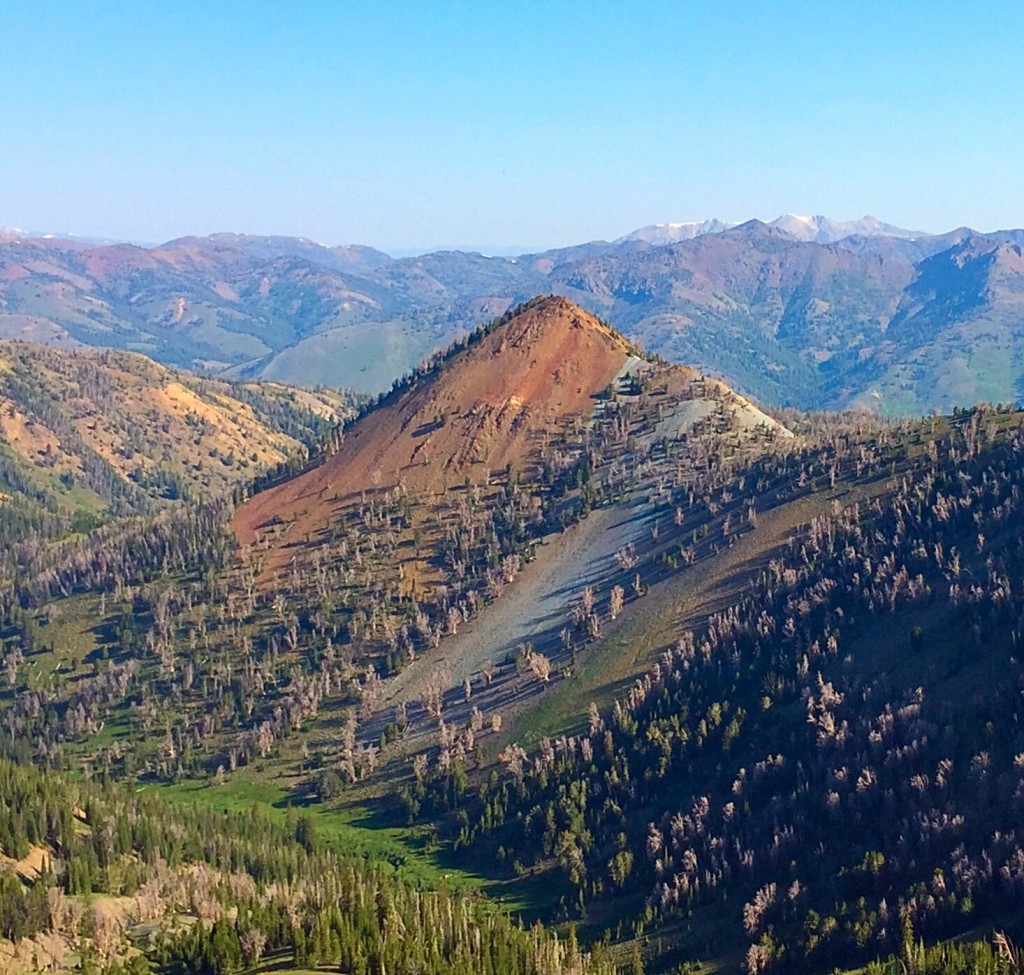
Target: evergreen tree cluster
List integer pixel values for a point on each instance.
(247, 886)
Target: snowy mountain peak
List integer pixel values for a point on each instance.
(824, 230)
(672, 233)
(817, 228)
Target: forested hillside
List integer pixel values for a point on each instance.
(833, 759)
(110, 881)
(158, 647)
(700, 687)
(93, 435)
(148, 650)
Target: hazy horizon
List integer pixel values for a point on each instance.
(399, 251)
(538, 126)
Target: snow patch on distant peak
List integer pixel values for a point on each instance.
(824, 230)
(805, 227)
(671, 233)
(820, 229)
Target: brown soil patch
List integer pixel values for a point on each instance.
(30, 438)
(31, 865)
(226, 291)
(14, 272)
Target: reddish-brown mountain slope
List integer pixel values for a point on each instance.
(489, 406)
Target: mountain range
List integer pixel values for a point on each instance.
(804, 311)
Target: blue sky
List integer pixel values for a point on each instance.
(413, 125)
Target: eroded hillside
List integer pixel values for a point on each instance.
(520, 403)
(478, 415)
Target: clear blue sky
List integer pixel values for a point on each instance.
(408, 125)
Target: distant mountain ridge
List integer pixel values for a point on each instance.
(822, 230)
(671, 233)
(802, 311)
